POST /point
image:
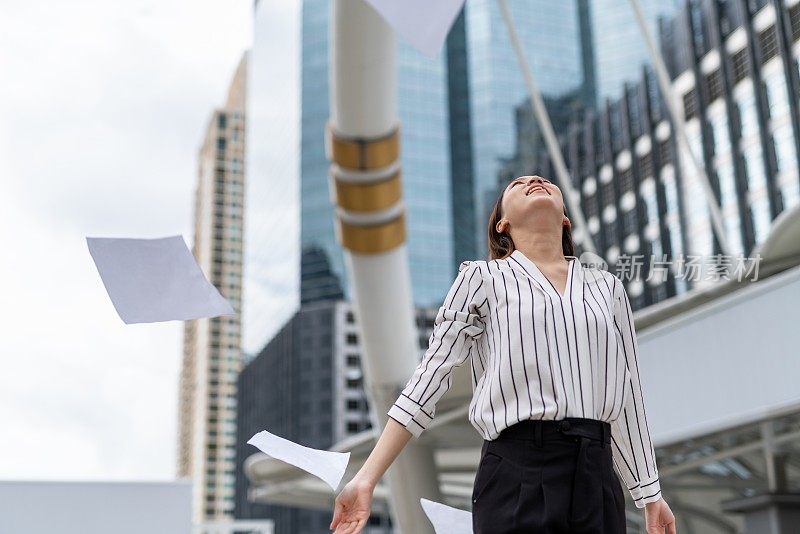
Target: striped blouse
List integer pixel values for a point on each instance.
(539, 354)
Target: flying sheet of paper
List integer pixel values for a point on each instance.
(446, 519)
(327, 465)
(152, 280)
(424, 23)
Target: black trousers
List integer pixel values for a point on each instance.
(549, 477)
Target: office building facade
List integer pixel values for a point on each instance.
(734, 69)
(211, 347)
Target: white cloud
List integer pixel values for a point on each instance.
(102, 109)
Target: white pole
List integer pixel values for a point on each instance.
(553, 148)
(665, 84)
(366, 187)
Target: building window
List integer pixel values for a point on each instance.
(665, 152)
(714, 85)
(626, 180)
(352, 339)
(741, 65)
(590, 206)
(353, 382)
(221, 121)
(607, 194)
(690, 103)
(646, 165)
(629, 222)
(768, 44)
(794, 19)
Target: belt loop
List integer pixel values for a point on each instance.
(537, 434)
(602, 434)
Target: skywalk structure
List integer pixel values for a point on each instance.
(718, 358)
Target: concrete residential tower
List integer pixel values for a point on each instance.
(211, 347)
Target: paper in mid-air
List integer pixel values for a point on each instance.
(424, 23)
(153, 280)
(446, 519)
(327, 465)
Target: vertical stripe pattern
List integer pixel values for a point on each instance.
(538, 353)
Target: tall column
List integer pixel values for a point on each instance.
(362, 143)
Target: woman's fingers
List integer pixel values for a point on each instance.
(337, 513)
(356, 526)
(347, 527)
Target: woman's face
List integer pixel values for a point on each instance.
(529, 195)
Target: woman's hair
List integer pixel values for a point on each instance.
(500, 243)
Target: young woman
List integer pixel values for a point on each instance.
(556, 390)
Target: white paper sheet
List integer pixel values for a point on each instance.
(327, 465)
(424, 23)
(152, 280)
(446, 519)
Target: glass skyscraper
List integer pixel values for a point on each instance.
(494, 86)
(618, 46)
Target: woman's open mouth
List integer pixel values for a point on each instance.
(535, 188)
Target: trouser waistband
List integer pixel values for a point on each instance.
(541, 429)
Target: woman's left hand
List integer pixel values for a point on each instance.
(658, 516)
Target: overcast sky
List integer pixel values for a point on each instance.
(102, 109)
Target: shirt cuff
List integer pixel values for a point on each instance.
(648, 490)
(409, 414)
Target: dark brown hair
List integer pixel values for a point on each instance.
(500, 243)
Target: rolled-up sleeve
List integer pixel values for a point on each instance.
(633, 452)
(457, 327)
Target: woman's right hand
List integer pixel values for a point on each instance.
(352, 508)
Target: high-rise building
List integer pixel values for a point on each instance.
(487, 84)
(734, 67)
(211, 347)
(617, 44)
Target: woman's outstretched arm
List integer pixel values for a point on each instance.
(354, 502)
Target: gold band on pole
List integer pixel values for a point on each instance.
(368, 196)
(374, 238)
(361, 153)
(367, 154)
